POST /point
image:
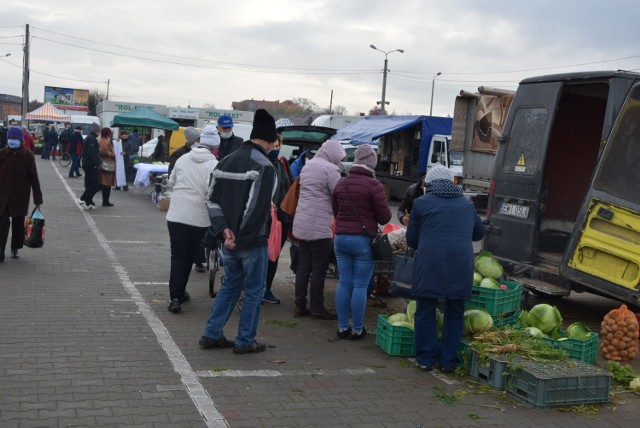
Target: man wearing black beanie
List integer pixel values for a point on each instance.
(240, 189)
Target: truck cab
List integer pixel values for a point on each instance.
(564, 205)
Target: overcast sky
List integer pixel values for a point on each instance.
(192, 52)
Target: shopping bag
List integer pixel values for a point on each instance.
(290, 201)
(402, 275)
(275, 237)
(34, 229)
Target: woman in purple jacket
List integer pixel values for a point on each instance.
(359, 204)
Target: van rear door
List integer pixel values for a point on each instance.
(518, 173)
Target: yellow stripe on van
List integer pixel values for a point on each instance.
(609, 247)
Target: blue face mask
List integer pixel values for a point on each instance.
(273, 155)
(14, 144)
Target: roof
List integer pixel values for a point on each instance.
(582, 75)
(370, 128)
(145, 117)
(47, 112)
(6, 98)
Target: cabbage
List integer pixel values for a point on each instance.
(476, 278)
(535, 332)
(489, 283)
(545, 317)
(401, 316)
(477, 321)
(578, 331)
(403, 324)
(522, 318)
(411, 310)
(439, 320)
(487, 266)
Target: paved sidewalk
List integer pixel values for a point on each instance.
(86, 340)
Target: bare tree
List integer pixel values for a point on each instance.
(208, 105)
(95, 96)
(34, 104)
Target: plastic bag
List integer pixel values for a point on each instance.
(275, 237)
(34, 229)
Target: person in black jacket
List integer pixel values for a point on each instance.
(239, 204)
(413, 192)
(229, 143)
(91, 166)
(75, 149)
(63, 139)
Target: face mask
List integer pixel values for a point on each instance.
(226, 135)
(273, 154)
(13, 144)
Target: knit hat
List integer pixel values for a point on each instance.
(210, 137)
(15, 133)
(365, 155)
(264, 126)
(438, 172)
(225, 121)
(192, 135)
(95, 127)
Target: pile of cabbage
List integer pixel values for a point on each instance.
(404, 319)
(544, 320)
(488, 271)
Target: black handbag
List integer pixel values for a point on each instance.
(380, 245)
(402, 280)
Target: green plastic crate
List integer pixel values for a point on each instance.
(559, 383)
(584, 350)
(492, 370)
(394, 340)
(506, 320)
(497, 302)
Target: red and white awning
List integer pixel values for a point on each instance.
(48, 113)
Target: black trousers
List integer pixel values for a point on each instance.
(314, 262)
(272, 267)
(106, 193)
(17, 231)
(91, 184)
(185, 241)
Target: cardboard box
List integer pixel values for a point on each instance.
(164, 204)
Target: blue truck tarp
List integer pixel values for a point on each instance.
(370, 128)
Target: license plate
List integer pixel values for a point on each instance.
(514, 210)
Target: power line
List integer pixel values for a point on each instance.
(31, 70)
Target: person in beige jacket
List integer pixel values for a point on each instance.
(107, 153)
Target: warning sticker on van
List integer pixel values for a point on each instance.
(521, 165)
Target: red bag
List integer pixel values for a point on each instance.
(275, 237)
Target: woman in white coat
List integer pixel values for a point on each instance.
(188, 218)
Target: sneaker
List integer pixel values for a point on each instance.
(185, 297)
(91, 207)
(175, 306)
(79, 175)
(343, 334)
(116, 188)
(447, 370)
(355, 335)
(207, 343)
(252, 348)
(107, 204)
(270, 298)
(14, 254)
(326, 315)
(200, 268)
(125, 188)
(425, 367)
(81, 202)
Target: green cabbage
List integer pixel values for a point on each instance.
(439, 319)
(487, 266)
(411, 310)
(578, 331)
(477, 278)
(545, 317)
(490, 283)
(522, 318)
(477, 321)
(535, 332)
(401, 316)
(403, 324)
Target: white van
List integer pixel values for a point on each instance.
(85, 122)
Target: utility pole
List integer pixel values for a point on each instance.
(331, 101)
(25, 77)
(108, 82)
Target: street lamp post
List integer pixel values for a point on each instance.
(384, 75)
(433, 84)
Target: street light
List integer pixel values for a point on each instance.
(384, 75)
(433, 84)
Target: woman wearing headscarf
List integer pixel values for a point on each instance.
(359, 204)
(18, 176)
(107, 178)
(442, 226)
(313, 228)
(283, 182)
(188, 218)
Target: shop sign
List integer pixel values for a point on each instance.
(183, 113)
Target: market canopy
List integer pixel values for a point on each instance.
(47, 112)
(370, 128)
(145, 117)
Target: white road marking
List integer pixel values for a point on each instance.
(193, 387)
(277, 373)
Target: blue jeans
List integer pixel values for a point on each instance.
(428, 350)
(75, 165)
(355, 265)
(243, 269)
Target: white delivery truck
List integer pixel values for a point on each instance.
(85, 122)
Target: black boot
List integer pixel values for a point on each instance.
(106, 192)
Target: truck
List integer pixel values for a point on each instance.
(478, 121)
(564, 201)
(84, 121)
(335, 121)
(407, 146)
